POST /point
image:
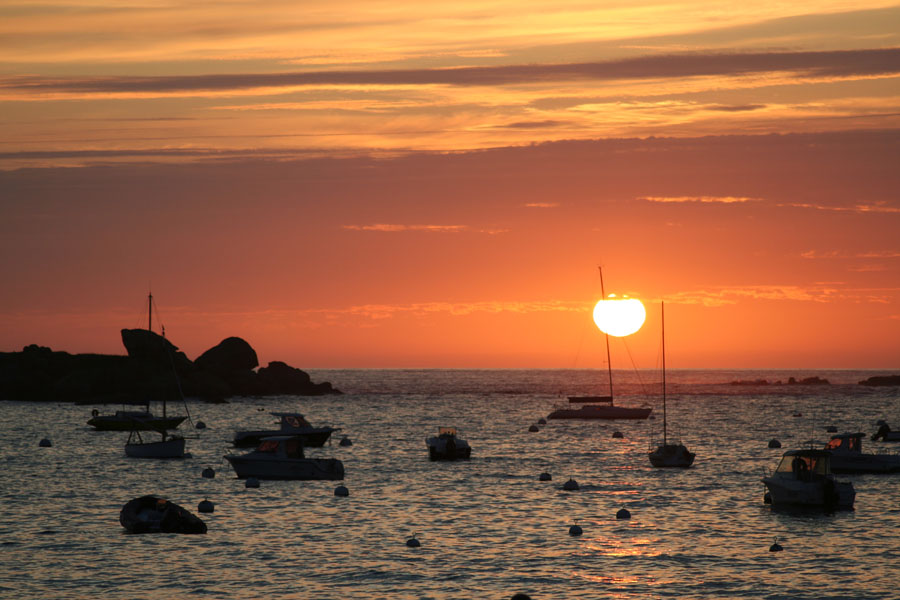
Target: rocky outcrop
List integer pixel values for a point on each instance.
(226, 370)
(881, 380)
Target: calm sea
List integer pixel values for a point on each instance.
(488, 527)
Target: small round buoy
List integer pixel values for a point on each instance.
(776, 547)
(534, 428)
(252, 482)
(521, 597)
(773, 443)
(341, 491)
(767, 498)
(200, 425)
(208, 473)
(345, 441)
(413, 542)
(798, 414)
(617, 434)
(575, 530)
(206, 506)
(545, 477)
(570, 485)
(831, 429)
(623, 514)
(45, 443)
(542, 421)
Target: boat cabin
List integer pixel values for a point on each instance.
(447, 432)
(292, 420)
(283, 446)
(804, 464)
(845, 442)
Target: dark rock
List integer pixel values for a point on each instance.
(155, 352)
(230, 355)
(280, 378)
(881, 380)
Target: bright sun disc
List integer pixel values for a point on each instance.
(619, 316)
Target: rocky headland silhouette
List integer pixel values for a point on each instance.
(146, 373)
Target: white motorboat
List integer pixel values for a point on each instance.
(803, 478)
(290, 423)
(669, 455)
(282, 457)
(446, 445)
(847, 456)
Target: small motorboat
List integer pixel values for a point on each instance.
(601, 411)
(847, 456)
(282, 457)
(152, 514)
(803, 478)
(290, 424)
(446, 445)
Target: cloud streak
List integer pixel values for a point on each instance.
(826, 64)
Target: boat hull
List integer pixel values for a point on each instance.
(601, 412)
(313, 437)
(150, 514)
(287, 468)
(440, 448)
(113, 423)
(824, 492)
(672, 456)
(864, 463)
(171, 448)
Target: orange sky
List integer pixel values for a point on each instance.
(391, 184)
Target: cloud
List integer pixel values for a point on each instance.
(825, 64)
(698, 199)
(735, 107)
(816, 254)
(394, 227)
(541, 205)
(789, 293)
(877, 207)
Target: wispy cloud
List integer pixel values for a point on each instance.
(699, 199)
(820, 294)
(819, 254)
(827, 64)
(541, 205)
(877, 207)
(396, 227)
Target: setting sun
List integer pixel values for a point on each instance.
(619, 316)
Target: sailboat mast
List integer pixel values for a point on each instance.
(150, 312)
(663, 310)
(608, 359)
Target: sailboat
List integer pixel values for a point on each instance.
(171, 446)
(669, 455)
(600, 407)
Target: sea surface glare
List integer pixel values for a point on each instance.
(488, 527)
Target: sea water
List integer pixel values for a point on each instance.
(488, 527)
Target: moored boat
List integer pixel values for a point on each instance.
(127, 420)
(282, 457)
(804, 478)
(847, 456)
(668, 455)
(167, 447)
(152, 514)
(447, 445)
(601, 411)
(290, 423)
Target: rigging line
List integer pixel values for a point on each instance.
(635, 367)
(178, 383)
